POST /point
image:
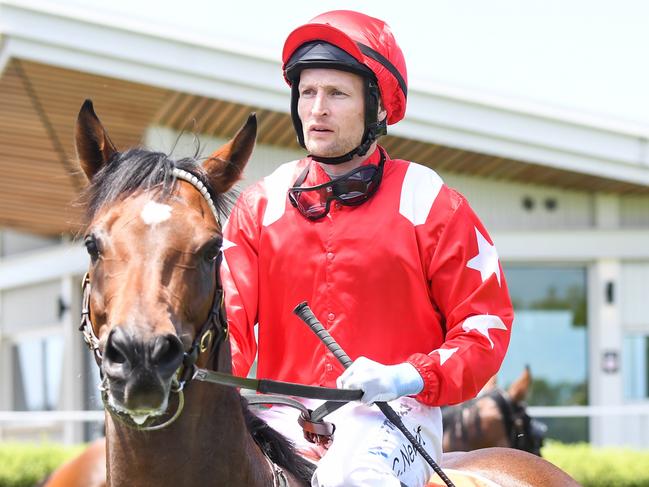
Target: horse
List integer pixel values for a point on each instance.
(495, 418)
(153, 297)
(153, 305)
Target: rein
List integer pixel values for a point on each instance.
(267, 386)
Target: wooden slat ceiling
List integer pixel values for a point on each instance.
(38, 109)
(40, 177)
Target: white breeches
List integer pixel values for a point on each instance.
(367, 449)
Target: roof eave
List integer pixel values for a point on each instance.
(47, 34)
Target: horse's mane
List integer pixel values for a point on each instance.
(141, 169)
(279, 449)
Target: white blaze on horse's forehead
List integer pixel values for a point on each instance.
(154, 212)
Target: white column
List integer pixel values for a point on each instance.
(605, 330)
(6, 382)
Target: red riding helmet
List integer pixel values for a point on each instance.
(350, 41)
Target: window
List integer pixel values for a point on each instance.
(550, 335)
(37, 368)
(635, 366)
(91, 395)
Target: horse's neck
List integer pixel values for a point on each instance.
(209, 444)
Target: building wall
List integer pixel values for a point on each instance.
(634, 212)
(19, 314)
(634, 294)
(40, 350)
(503, 206)
(13, 242)
(265, 158)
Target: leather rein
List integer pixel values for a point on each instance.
(211, 337)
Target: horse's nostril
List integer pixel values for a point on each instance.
(117, 347)
(114, 355)
(167, 350)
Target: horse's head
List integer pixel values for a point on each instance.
(525, 433)
(522, 432)
(495, 418)
(153, 293)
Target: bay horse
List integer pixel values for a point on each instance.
(153, 292)
(496, 417)
(153, 287)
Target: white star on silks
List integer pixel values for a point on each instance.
(482, 324)
(445, 354)
(227, 244)
(486, 262)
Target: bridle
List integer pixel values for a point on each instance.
(513, 415)
(524, 433)
(209, 338)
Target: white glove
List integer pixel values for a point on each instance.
(381, 382)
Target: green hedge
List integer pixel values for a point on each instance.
(601, 467)
(25, 465)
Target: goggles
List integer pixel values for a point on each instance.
(351, 189)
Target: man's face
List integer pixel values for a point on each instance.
(332, 110)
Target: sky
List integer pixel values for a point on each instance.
(587, 56)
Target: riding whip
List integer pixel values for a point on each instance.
(303, 311)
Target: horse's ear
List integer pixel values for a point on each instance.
(94, 148)
(520, 387)
(225, 166)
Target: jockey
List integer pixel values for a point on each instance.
(395, 263)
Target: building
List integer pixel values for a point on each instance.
(565, 197)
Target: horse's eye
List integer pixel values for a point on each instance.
(91, 246)
(212, 251)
